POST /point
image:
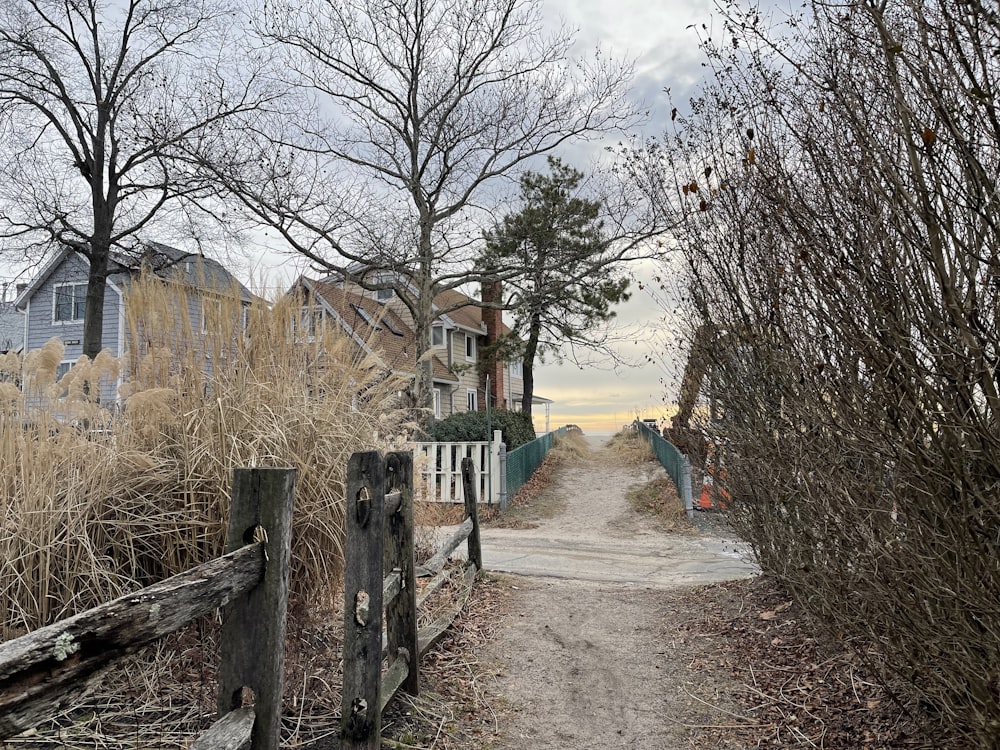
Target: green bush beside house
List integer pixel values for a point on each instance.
(466, 426)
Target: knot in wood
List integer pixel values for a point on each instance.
(362, 604)
(359, 708)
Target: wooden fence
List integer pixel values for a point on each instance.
(42, 672)
(380, 585)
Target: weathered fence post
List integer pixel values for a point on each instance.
(361, 718)
(253, 628)
(401, 613)
(472, 510)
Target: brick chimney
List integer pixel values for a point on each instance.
(493, 318)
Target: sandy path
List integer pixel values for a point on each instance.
(590, 661)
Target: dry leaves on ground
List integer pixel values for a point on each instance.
(801, 689)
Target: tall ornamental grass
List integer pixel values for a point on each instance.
(102, 498)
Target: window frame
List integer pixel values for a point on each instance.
(435, 330)
(437, 403)
(73, 303)
(472, 400)
(470, 347)
(307, 320)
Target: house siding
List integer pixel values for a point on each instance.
(467, 372)
(71, 268)
(41, 326)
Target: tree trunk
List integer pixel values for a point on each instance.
(528, 365)
(93, 315)
(423, 320)
(100, 240)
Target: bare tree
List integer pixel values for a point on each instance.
(103, 104)
(431, 107)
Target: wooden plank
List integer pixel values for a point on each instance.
(231, 732)
(252, 640)
(393, 678)
(430, 471)
(401, 613)
(431, 634)
(446, 477)
(392, 585)
(392, 501)
(437, 562)
(432, 586)
(360, 719)
(43, 672)
(472, 512)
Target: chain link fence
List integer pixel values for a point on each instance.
(675, 462)
(523, 461)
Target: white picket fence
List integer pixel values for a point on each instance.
(437, 470)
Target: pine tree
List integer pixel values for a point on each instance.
(569, 277)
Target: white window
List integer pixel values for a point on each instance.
(437, 336)
(384, 295)
(473, 400)
(437, 403)
(470, 347)
(516, 371)
(69, 302)
(62, 368)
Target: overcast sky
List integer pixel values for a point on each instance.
(657, 36)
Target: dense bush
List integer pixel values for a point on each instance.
(472, 425)
(840, 186)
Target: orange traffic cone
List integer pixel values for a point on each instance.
(705, 501)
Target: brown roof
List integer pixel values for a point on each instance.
(382, 331)
(468, 315)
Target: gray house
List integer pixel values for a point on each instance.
(53, 303)
(11, 328)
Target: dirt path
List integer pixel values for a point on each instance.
(591, 655)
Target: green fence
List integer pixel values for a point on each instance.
(675, 462)
(524, 460)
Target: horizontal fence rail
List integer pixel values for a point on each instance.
(44, 671)
(676, 463)
(524, 460)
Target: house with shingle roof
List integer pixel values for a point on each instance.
(53, 304)
(381, 324)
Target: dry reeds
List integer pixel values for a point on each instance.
(629, 449)
(100, 500)
(570, 444)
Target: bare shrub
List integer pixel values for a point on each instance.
(100, 501)
(839, 181)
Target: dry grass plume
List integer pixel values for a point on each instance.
(99, 499)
